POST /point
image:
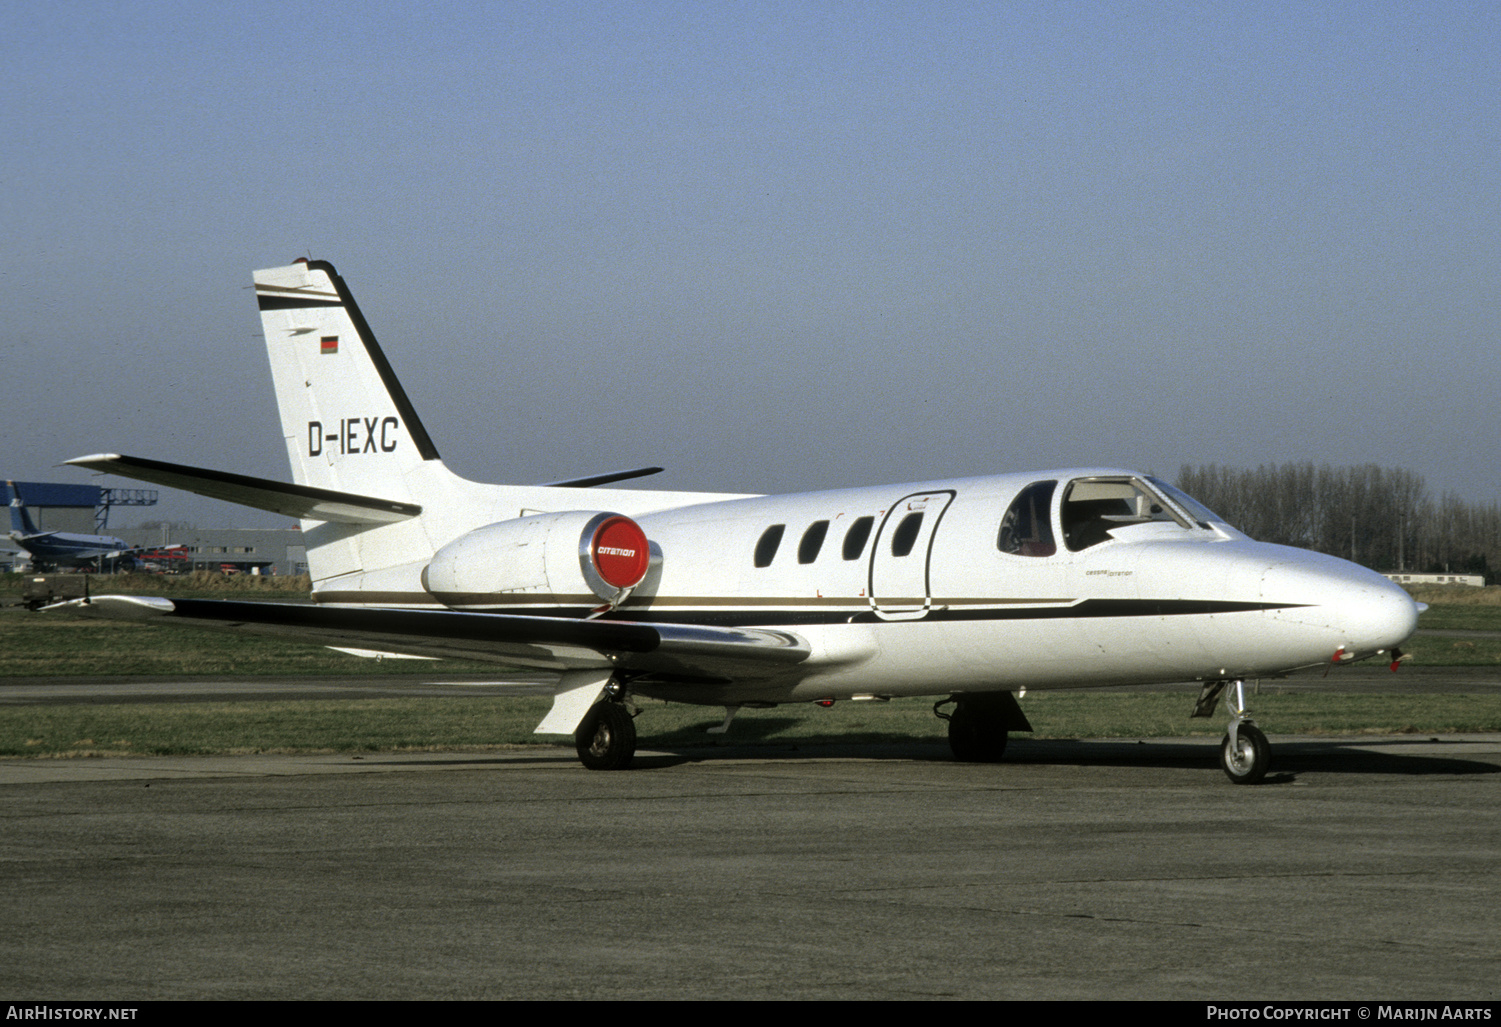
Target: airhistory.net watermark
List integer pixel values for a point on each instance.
(38, 1011)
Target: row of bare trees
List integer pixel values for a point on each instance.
(1381, 517)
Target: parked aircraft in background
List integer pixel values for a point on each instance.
(970, 589)
(59, 548)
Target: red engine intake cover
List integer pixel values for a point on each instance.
(620, 552)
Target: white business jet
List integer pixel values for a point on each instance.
(971, 589)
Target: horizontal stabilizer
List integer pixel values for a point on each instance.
(301, 501)
(603, 479)
(680, 651)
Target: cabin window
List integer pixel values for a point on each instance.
(1094, 507)
(905, 535)
(857, 536)
(1027, 528)
(766, 549)
(807, 549)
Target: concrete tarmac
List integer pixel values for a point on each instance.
(1364, 869)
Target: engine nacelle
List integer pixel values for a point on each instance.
(553, 556)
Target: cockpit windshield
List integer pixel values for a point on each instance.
(1096, 509)
(1195, 509)
(1093, 508)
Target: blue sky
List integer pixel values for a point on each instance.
(771, 246)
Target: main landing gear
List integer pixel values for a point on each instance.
(1245, 754)
(606, 738)
(981, 725)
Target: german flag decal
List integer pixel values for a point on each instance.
(330, 344)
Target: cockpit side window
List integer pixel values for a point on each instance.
(1092, 507)
(1027, 528)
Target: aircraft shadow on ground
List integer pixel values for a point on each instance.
(756, 740)
(1289, 759)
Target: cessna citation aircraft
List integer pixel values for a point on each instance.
(970, 589)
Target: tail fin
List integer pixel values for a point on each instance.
(375, 500)
(347, 422)
(20, 520)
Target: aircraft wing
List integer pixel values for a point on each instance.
(260, 493)
(676, 651)
(157, 547)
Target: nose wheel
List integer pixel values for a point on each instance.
(1245, 754)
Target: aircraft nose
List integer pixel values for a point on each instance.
(1363, 612)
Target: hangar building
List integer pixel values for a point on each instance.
(241, 550)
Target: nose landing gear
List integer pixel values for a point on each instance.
(1245, 754)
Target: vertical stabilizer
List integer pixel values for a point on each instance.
(346, 420)
(20, 520)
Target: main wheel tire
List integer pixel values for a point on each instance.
(606, 740)
(972, 741)
(1252, 756)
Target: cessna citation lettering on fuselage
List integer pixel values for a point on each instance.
(970, 589)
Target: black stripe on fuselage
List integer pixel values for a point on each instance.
(1088, 609)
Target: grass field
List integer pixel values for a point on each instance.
(44, 645)
(402, 724)
(197, 585)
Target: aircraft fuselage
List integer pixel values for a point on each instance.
(896, 588)
(63, 546)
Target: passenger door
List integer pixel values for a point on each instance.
(899, 560)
